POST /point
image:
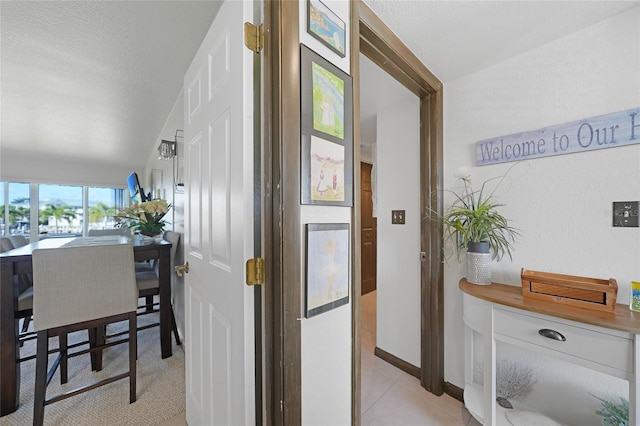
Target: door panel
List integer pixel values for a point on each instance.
(220, 193)
(219, 224)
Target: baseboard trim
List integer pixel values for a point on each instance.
(454, 391)
(449, 388)
(397, 362)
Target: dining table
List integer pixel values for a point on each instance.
(19, 261)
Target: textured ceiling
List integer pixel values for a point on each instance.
(94, 80)
(457, 38)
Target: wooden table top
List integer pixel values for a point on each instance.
(622, 318)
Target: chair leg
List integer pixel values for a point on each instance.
(41, 377)
(62, 342)
(92, 332)
(96, 339)
(25, 324)
(149, 303)
(174, 326)
(133, 355)
(25, 327)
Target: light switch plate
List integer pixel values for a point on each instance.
(397, 217)
(625, 214)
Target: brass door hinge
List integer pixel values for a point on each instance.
(255, 271)
(254, 37)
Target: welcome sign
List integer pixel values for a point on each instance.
(605, 131)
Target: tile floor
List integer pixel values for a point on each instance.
(389, 395)
(392, 397)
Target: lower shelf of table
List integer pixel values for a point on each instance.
(474, 402)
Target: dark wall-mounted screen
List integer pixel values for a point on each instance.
(135, 190)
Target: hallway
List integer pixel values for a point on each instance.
(393, 397)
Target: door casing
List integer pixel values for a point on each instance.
(376, 41)
(281, 189)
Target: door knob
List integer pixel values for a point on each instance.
(182, 268)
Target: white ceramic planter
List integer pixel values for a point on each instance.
(479, 268)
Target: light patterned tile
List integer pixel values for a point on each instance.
(374, 386)
(393, 397)
(473, 422)
(402, 405)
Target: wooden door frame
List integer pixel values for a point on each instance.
(375, 40)
(281, 169)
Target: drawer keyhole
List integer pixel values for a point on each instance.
(551, 334)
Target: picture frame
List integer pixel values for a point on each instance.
(326, 132)
(327, 267)
(326, 27)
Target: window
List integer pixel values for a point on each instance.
(14, 208)
(103, 204)
(60, 210)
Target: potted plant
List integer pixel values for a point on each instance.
(144, 218)
(473, 223)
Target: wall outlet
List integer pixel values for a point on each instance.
(625, 213)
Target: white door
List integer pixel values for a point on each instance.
(218, 164)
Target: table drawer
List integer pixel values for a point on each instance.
(606, 349)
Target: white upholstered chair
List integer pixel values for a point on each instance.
(18, 240)
(5, 244)
(77, 288)
(22, 285)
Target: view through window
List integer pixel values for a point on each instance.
(103, 204)
(62, 210)
(15, 207)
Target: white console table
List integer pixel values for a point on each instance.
(604, 341)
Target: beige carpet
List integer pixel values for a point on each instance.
(160, 387)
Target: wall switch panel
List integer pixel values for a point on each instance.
(625, 213)
(397, 217)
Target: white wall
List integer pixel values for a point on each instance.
(175, 217)
(326, 338)
(398, 259)
(561, 204)
(31, 168)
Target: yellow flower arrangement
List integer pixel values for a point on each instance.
(145, 218)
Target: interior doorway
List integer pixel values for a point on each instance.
(386, 50)
(390, 173)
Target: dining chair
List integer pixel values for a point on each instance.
(24, 289)
(18, 240)
(21, 287)
(81, 288)
(146, 265)
(148, 282)
(6, 244)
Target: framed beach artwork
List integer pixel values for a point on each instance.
(327, 132)
(326, 27)
(327, 267)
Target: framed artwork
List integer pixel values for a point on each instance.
(327, 267)
(327, 132)
(326, 27)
